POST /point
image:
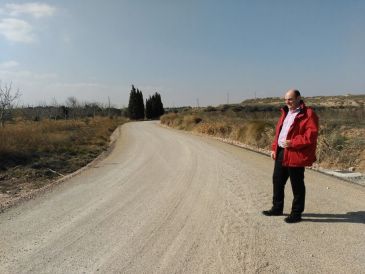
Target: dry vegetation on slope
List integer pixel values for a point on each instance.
(341, 143)
(34, 153)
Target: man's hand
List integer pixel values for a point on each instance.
(288, 143)
(273, 156)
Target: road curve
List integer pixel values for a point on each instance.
(166, 201)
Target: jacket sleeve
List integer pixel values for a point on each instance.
(277, 131)
(274, 146)
(309, 137)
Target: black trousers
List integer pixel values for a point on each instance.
(280, 176)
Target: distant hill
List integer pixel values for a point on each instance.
(324, 101)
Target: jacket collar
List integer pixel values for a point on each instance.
(302, 107)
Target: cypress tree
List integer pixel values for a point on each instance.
(154, 107)
(149, 108)
(140, 104)
(136, 104)
(132, 104)
(137, 110)
(158, 109)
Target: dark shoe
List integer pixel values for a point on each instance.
(272, 212)
(293, 218)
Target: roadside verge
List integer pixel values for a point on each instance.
(10, 201)
(347, 176)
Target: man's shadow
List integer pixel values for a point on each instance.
(357, 217)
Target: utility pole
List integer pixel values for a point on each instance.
(197, 102)
(227, 98)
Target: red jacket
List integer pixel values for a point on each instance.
(303, 135)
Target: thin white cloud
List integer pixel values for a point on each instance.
(36, 10)
(39, 87)
(82, 85)
(10, 72)
(9, 64)
(16, 30)
(20, 30)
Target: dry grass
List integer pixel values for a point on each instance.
(39, 151)
(252, 132)
(186, 122)
(341, 142)
(170, 119)
(341, 148)
(214, 128)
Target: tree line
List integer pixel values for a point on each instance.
(137, 110)
(73, 109)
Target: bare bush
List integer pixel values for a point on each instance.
(7, 100)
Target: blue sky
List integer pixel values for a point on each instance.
(185, 50)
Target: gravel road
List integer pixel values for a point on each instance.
(166, 201)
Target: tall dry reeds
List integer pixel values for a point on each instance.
(252, 132)
(26, 141)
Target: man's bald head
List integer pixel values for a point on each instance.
(292, 98)
(294, 92)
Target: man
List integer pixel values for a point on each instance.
(293, 148)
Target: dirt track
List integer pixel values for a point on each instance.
(165, 201)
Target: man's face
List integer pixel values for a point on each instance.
(291, 100)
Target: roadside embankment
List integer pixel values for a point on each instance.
(341, 141)
(35, 154)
